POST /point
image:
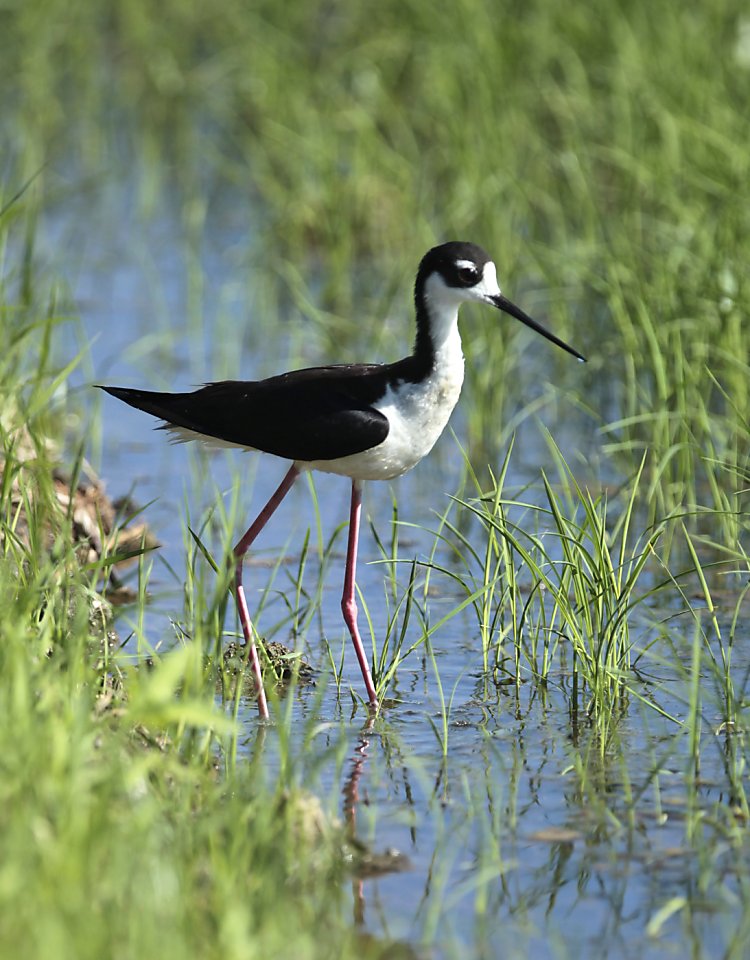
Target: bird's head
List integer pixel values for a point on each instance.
(458, 272)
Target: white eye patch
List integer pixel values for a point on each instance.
(488, 285)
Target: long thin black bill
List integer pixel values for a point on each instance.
(502, 303)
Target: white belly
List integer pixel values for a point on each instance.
(417, 415)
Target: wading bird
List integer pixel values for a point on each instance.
(367, 421)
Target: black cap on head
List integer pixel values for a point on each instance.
(453, 261)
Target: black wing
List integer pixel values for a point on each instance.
(321, 413)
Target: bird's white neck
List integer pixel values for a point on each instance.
(440, 315)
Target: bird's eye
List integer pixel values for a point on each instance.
(468, 275)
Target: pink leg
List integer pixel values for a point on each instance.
(348, 602)
(239, 553)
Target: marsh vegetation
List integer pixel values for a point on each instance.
(556, 602)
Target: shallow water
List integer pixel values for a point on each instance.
(511, 851)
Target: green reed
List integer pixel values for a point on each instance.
(557, 585)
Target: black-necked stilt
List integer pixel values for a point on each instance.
(365, 421)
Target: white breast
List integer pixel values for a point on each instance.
(417, 414)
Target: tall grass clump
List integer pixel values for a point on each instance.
(556, 585)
